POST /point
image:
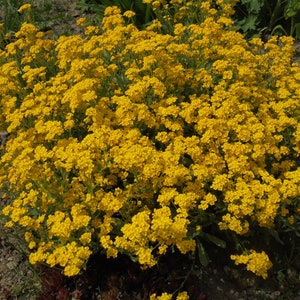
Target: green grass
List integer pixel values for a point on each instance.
(41, 14)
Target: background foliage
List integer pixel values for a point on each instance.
(268, 17)
(252, 17)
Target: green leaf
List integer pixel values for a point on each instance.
(256, 6)
(275, 235)
(253, 5)
(215, 240)
(203, 256)
(297, 29)
(125, 5)
(34, 212)
(248, 23)
(292, 8)
(279, 29)
(140, 5)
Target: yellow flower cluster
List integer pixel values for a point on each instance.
(70, 256)
(166, 296)
(258, 263)
(127, 140)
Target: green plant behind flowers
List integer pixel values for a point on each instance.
(256, 17)
(136, 141)
(9, 16)
(40, 14)
(143, 12)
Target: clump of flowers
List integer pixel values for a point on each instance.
(258, 263)
(166, 296)
(134, 141)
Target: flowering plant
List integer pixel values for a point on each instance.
(135, 141)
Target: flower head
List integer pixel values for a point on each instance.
(24, 7)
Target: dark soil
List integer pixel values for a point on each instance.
(122, 279)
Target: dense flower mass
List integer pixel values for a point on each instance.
(134, 141)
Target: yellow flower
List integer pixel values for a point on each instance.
(81, 21)
(166, 296)
(91, 30)
(24, 7)
(209, 200)
(155, 24)
(85, 238)
(31, 245)
(71, 270)
(182, 296)
(291, 220)
(258, 263)
(129, 14)
(163, 296)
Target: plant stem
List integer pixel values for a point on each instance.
(148, 13)
(276, 12)
(292, 26)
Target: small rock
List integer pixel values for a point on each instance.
(11, 265)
